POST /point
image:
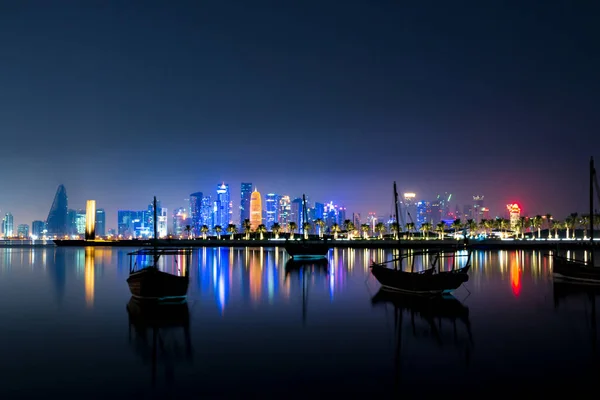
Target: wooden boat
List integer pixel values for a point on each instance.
(305, 248)
(571, 269)
(148, 282)
(428, 281)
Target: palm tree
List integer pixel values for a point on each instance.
(584, 222)
(247, 227)
(306, 227)
(456, 225)
(204, 230)
(483, 225)
(276, 228)
(349, 225)
(365, 230)
(549, 224)
(380, 228)
(521, 227)
(503, 225)
(335, 229)
(218, 229)
(410, 228)
(395, 229)
(426, 227)
(231, 229)
(292, 227)
(261, 229)
(489, 225)
(188, 230)
(570, 222)
(556, 225)
(321, 224)
(536, 223)
(440, 228)
(472, 225)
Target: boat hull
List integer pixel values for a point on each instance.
(152, 284)
(418, 283)
(307, 249)
(573, 270)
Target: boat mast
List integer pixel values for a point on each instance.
(155, 223)
(592, 179)
(397, 222)
(304, 214)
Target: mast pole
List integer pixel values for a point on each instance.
(155, 221)
(592, 179)
(304, 214)
(397, 221)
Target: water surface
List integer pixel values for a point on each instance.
(256, 331)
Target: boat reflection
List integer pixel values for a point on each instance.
(433, 312)
(157, 327)
(564, 290)
(303, 269)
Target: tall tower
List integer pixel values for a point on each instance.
(223, 206)
(514, 212)
(90, 220)
(246, 193)
(195, 211)
(57, 217)
(255, 210)
(100, 222)
(272, 208)
(8, 225)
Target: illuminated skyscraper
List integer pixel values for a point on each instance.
(23, 231)
(100, 222)
(195, 207)
(90, 220)
(272, 209)
(179, 217)
(222, 206)
(514, 213)
(8, 225)
(38, 228)
(57, 217)
(246, 193)
(284, 210)
(255, 210)
(477, 206)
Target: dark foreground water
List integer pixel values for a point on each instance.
(255, 332)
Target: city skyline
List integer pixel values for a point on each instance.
(123, 101)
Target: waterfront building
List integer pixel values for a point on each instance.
(423, 214)
(162, 217)
(90, 220)
(8, 225)
(207, 214)
(222, 206)
(245, 198)
(195, 212)
(514, 214)
(38, 228)
(285, 210)
(79, 222)
(179, 218)
(255, 210)
(296, 212)
(407, 209)
(271, 209)
(23, 231)
(56, 223)
(100, 222)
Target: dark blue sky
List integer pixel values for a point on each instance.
(121, 100)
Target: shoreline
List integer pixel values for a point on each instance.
(489, 244)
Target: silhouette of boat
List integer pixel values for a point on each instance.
(581, 270)
(429, 281)
(433, 311)
(147, 281)
(307, 248)
(153, 324)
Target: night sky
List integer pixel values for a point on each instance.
(123, 100)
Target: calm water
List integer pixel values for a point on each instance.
(255, 331)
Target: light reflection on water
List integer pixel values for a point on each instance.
(258, 321)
